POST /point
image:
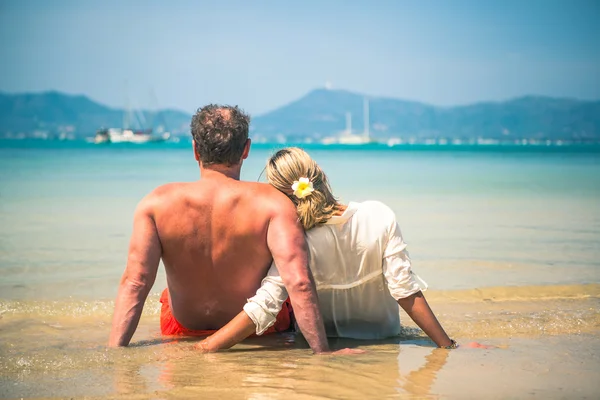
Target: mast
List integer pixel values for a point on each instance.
(126, 116)
(127, 110)
(366, 117)
(158, 112)
(348, 123)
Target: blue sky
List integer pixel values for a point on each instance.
(263, 54)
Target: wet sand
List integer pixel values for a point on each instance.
(547, 346)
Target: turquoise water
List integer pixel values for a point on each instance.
(473, 216)
(504, 229)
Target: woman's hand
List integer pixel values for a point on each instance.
(341, 352)
(347, 351)
(204, 347)
(475, 345)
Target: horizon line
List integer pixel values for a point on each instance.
(323, 89)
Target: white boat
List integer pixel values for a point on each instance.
(354, 139)
(347, 137)
(118, 135)
(129, 135)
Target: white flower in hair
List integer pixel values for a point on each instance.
(302, 188)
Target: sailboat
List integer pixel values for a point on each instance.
(347, 137)
(129, 135)
(120, 135)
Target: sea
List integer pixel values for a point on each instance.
(507, 238)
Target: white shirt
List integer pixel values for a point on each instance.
(361, 268)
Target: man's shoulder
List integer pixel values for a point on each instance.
(265, 191)
(162, 194)
(268, 197)
(165, 190)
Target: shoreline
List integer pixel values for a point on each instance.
(184, 142)
(483, 312)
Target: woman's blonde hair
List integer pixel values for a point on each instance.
(291, 164)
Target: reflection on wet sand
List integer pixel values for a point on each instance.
(128, 379)
(419, 382)
(61, 355)
(256, 372)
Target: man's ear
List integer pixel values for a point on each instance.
(196, 155)
(246, 149)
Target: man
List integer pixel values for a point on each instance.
(217, 238)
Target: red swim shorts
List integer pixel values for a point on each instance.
(169, 326)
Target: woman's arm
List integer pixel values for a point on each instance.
(260, 313)
(236, 330)
(419, 311)
(405, 289)
(417, 308)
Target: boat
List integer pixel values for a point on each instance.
(129, 135)
(349, 138)
(119, 135)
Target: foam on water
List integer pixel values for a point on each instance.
(78, 308)
(29, 326)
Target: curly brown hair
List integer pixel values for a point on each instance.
(220, 133)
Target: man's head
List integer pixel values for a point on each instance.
(220, 135)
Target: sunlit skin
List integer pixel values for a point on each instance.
(217, 238)
(415, 305)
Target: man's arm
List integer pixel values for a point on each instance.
(142, 265)
(285, 238)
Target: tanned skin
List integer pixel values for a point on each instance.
(217, 238)
(415, 306)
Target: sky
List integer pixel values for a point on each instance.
(261, 55)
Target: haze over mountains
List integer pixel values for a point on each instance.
(53, 113)
(320, 114)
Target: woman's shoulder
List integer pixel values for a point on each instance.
(376, 206)
(374, 209)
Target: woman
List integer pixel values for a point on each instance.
(358, 259)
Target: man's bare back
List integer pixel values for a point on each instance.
(214, 245)
(217, 238)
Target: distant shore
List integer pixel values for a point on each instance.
(476, 146)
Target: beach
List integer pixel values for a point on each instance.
(507, 239)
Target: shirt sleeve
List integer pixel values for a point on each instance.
(397, 269)
(268, 301)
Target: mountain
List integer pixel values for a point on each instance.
(321, 113)
(53, 113)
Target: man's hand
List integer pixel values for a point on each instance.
(142, 265)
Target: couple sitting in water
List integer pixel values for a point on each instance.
(234, 251)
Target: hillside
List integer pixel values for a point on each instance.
(52, 113)
(321, 113)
